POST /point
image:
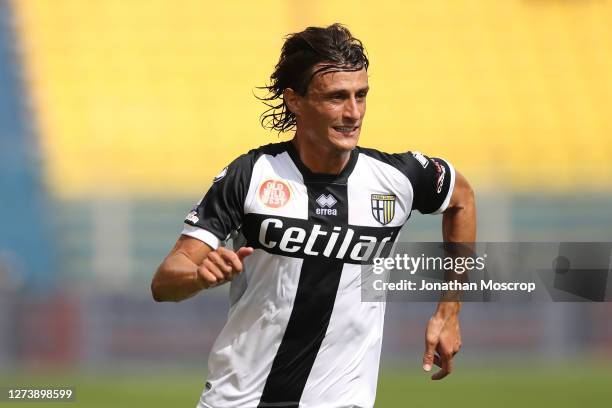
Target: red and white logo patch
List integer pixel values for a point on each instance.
(274, 193)
(440, 172)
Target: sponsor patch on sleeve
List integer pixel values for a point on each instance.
(421, 159)
(440, 173)
(220, 175)
(192, 217)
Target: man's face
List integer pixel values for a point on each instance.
(331, 113)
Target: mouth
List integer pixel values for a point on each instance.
(346, 130)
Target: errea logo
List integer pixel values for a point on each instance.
(326, 202)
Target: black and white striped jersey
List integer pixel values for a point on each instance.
(297, 332)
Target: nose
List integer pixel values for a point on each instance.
(351, 109)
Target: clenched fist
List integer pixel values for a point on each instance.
(221, 265)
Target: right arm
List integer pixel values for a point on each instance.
(192, 266)
(198, 260)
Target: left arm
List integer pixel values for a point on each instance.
(443, 335)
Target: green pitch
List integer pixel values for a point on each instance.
(559, 387)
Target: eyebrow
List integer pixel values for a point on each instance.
(345, 92)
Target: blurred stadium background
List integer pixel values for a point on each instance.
(115, 115)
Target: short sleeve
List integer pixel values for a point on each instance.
(432, 179)
(222, 209)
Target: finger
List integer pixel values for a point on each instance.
(225, 268)
(205, 276)
(431, 341)
(428, 360)
(446, 367)
(212, 268)
(440, 375)
(244, 252)
(437, 361)
(218, 260)
(232, 259)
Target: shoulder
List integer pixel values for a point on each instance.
(272, 149)
(248, 159)
(432, 179)
(406, 162)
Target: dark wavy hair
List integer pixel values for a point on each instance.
(334, 46)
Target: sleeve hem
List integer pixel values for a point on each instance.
(205, 236)
(450, 190)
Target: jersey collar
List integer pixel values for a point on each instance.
(308, 175)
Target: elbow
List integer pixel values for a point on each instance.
(464, 196)
(156, 290)
(469, 197)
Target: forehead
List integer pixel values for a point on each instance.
(339, 80)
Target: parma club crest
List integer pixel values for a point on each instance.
(383, 207)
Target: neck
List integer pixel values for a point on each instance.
(320, 159)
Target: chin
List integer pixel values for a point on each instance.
(345, 143)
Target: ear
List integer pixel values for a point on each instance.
(292, 100)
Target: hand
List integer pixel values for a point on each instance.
(442, 342)
(221, 265)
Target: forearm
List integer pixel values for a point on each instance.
(458, 226)
(459, 222)
(176, 279)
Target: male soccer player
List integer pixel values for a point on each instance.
(297, 332)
